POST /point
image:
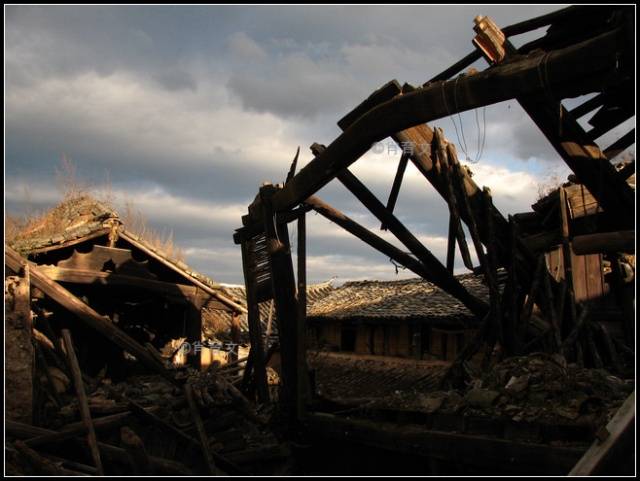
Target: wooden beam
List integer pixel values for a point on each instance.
(397, 182)
(84, 276)
(420, 138)
(575, 146)
(446, 166)
(620, 241)
(367, 236)
(251, 230)
(83, 403)
(511, 30)
(455, 68)
(438, 273)
(619, 430)
(588, 106)
(572, 71)
(301, 326)
(620, 145)
(451, 243)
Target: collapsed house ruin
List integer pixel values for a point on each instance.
(139, 325)
(564, 269)
(542, 377)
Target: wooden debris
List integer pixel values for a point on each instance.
(82, 400)
(202, 435)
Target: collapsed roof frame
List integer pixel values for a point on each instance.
(569, 61)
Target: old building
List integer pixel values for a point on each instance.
(406, 318)
(153, 297)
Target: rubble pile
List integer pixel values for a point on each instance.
(157, 415)
(538, 388)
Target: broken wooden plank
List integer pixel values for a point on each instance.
(202, 435)
(83, 403)
(620, 427)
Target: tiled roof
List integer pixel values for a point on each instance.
(69, 220)
(82, 216)
(414, 299)
(212, 317)
(343, 376)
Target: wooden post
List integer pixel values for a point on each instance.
(194, 331)
(491, 268)
(19, 350)
(566, 257)
(255, 363)
(235, 335)
(527, 309)
(451, 243)
(303, 380)
(515, 292)
(83, 403)
(441, 155)
(284, 295)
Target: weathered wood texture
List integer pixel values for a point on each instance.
(256, 364)
(86, 314)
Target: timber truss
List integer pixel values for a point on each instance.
(584, 50)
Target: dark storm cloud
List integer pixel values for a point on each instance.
(186, 110)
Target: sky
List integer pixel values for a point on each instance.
(184, 111)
